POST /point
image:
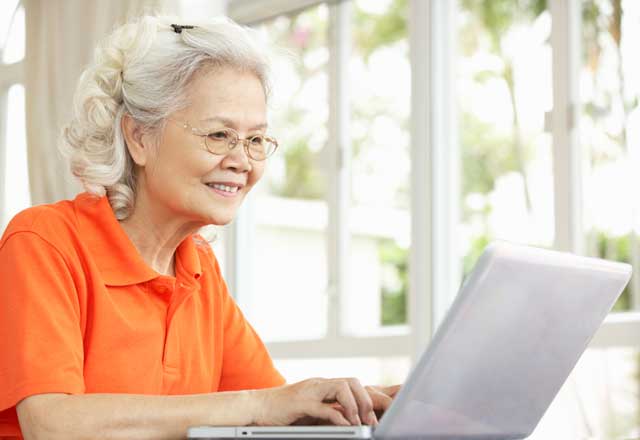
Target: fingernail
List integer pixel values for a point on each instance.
(358, 422)
(373, 420)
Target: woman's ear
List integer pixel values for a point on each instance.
(135, 139)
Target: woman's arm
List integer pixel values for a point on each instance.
(128, 416)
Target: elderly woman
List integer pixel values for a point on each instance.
(115, 320)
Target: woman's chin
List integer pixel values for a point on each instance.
(220, 219)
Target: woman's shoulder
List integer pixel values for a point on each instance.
(53, 223)
(41, 233)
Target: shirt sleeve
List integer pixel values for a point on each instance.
(41, 349)
(246, 362)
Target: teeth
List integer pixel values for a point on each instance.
(226, 188)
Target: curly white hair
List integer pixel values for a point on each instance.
(144, 68)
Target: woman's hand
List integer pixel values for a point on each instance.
(334, 401)
(382, 397)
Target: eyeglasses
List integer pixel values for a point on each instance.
(258, 147)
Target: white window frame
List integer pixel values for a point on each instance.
(10, 75)
(434, 266)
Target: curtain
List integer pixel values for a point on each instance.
(60, 38)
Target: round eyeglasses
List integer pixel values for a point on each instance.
(222, 141)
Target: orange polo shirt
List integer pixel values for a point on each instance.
(81, 312)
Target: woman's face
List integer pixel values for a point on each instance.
(183, 177)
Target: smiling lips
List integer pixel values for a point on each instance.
(226, 189)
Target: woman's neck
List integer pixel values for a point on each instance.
(155, 236)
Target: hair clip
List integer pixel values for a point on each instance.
(177, 28)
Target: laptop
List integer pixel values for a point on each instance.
(515, 331)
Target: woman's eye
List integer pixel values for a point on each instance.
(257, 140)
(219, 136)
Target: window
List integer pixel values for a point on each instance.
(504, 89)
(380, 193)
(329, 225)
(290, 205)
(605, 383)
(13, 162)
(418, 166)
(610, 90)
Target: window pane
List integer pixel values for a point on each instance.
(504, 88)
(16, 177)
(14, 48)
(610, 89)
(289, 281)
(599, 400)
(380, 193)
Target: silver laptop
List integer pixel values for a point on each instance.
(512, 336)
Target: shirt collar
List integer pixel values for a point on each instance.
(188, 259)
(118, 260)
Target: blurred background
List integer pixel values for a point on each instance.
(412, 132)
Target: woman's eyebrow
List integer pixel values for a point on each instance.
(230, 123)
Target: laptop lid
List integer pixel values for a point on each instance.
(515, 331)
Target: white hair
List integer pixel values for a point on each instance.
(144, 69)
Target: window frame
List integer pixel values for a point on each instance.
(249, 12)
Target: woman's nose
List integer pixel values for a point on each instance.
(237, 157)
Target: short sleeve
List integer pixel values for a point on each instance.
(246, 362)
(41, 349)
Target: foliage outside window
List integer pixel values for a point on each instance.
(610, 89)
(380, 95)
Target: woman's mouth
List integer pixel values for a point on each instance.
(224, 190)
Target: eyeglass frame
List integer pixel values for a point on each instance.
(244, 141)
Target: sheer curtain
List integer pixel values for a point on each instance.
(60, 38)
